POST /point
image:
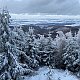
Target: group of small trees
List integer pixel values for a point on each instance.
(22, 52)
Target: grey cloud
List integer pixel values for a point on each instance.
(43, 6)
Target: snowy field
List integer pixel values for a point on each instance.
(54, 74)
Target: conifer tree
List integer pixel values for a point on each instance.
(10, 66)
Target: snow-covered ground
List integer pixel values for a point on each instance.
(54, 74)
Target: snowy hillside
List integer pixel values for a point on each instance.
(54, 74)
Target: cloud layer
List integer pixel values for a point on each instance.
(60, 7)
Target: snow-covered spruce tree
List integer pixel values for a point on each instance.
(43, 55)
(18, 42)
(60, 42)
(10, 67)
(45, 49)
(71, 53)
(30, 48)
(4, 38)
(50, 50)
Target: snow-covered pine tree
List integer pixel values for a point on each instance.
(4, 38)
(30, 48)
(60, 42)
(71, 53)
(50, 50)
(45, 49)
(41, 43)
(10, 67)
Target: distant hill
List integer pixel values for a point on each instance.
(49, 25)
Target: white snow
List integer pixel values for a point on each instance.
(55, 74)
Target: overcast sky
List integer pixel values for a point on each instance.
(55, 7)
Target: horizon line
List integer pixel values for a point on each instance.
(41, 16)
